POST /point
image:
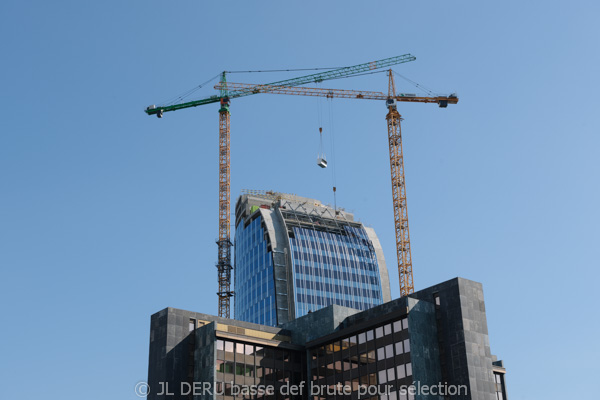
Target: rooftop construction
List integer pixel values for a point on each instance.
(294, 255)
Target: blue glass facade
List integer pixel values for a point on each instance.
(254, 283)
(330, 268)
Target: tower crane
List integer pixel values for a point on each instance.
(393, 118)
(224, 241)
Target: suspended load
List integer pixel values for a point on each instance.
(321, 160)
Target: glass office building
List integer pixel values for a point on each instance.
(294, 255)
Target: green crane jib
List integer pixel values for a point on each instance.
(313, 78)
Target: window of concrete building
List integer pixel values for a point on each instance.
(239, 348)
(500, 391)
(387, 329)
(382, 376)
(362, 338)
(399, 349)
(389, 351)
(391, 375)
(371, 356)
(400, 371)
(192, 324)
(219, 366)
(352, 341)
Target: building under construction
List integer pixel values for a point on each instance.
(295, 255)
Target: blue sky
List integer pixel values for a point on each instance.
(108, 215)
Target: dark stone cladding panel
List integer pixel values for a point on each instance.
(170, 346)
(424, 354)
(464, 340)
(205, 355)
(318, 324)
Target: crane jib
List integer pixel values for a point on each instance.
(312, 78)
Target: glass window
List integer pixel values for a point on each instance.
(399, 348)
(228, 369)
(400, 371)
(229, 347)
(381, 353)
(408, 369)
(390, 374)
(382, 377)
(369, 335)
(405, 323)
(389, 351)
(353, 341)
(387, 329)
(362, 337)
(379, 332)
(371, 356)
(220, 344)
(239, 348)
(397, 326)
(239, 369)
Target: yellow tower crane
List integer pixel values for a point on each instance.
(224, 244)
(393, 118)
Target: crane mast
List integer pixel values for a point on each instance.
(224, 244)
(399, 193)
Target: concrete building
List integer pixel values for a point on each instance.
(432, 344)
(295, 255)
